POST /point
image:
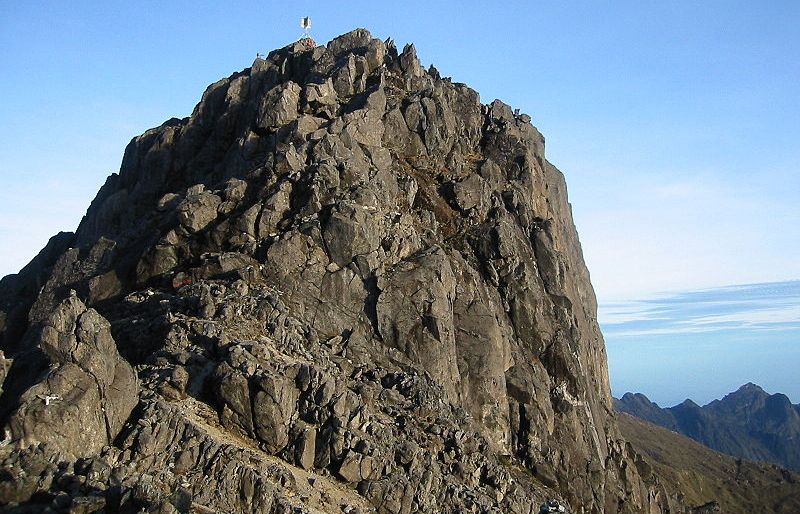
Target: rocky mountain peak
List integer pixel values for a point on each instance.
(750, 387)
(747, 392)
(748, 423)
(688, 404)
(344, 285)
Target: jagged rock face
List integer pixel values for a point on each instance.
(89, 391)
(341, 260)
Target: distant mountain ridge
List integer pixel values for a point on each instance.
(748, 423)
(708, 479)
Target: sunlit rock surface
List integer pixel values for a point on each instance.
(345, 285)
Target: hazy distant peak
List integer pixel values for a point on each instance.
(748, 423)
(750, 388)
(688, 403)
(629, 396)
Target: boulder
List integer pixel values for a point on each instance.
(88, 392)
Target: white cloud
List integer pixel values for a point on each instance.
(625, 312)
(751, 318)
(754, 307)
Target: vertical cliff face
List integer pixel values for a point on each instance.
(341, 260)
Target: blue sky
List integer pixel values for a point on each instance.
(675, 123)
(703, 344)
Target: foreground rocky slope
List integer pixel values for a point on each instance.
(342, 285)
(748, 423)
(709, 480)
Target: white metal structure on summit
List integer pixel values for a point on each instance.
(305, 24)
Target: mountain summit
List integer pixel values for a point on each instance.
(342, 284)
(748, 423)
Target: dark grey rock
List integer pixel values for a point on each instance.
(748, 423)
(343, 282)
(89, 391)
